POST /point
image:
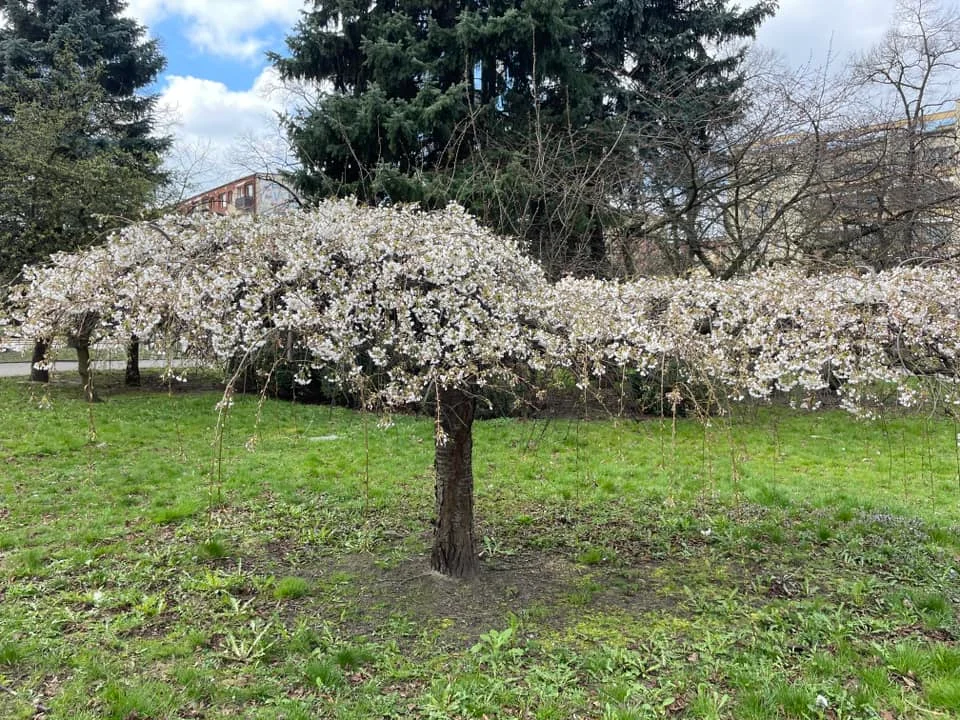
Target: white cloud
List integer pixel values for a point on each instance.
(813, 31)
(229, 28)
(220, 134)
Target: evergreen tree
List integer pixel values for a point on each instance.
(60, 188)
(409, 80)
(509, 106)
(70, 71)
(77, 149)
(46, 38)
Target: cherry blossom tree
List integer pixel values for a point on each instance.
(425, 303)
(398, 305)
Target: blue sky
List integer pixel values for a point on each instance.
(185, 58)
(220, 97)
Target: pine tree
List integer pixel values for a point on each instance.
(507, 106)
(410, 81)
(44, 38)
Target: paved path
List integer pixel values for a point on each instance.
(22, 369)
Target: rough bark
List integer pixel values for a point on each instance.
(39, 355)
(82, 345)
(454, 549)
(131, 375)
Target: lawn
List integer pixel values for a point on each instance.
(773, 564)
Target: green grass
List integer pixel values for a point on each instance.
(769, 565)
(291, 588)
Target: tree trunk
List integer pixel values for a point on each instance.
(40, 348)
(82, 345)
(131, 376)
(454, 551)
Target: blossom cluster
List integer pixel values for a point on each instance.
(421, 298)
(781, 330)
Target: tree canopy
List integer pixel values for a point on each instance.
(55, 190)
(90, 37)
(77, 139)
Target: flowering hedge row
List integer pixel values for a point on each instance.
(434, 298)
(779, 330)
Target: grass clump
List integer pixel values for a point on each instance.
(594, 556)
(943, 693)
(352, 657)
(213, 549)
(324, 673)
(12, 652)
(291, 588)
(122, 701)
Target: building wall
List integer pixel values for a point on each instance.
(881, 191)
(258, 193)
(273, 195)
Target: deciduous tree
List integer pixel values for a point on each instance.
(888, 189)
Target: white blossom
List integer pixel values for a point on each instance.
(433, 298)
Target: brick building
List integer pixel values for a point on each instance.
(258, 193)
